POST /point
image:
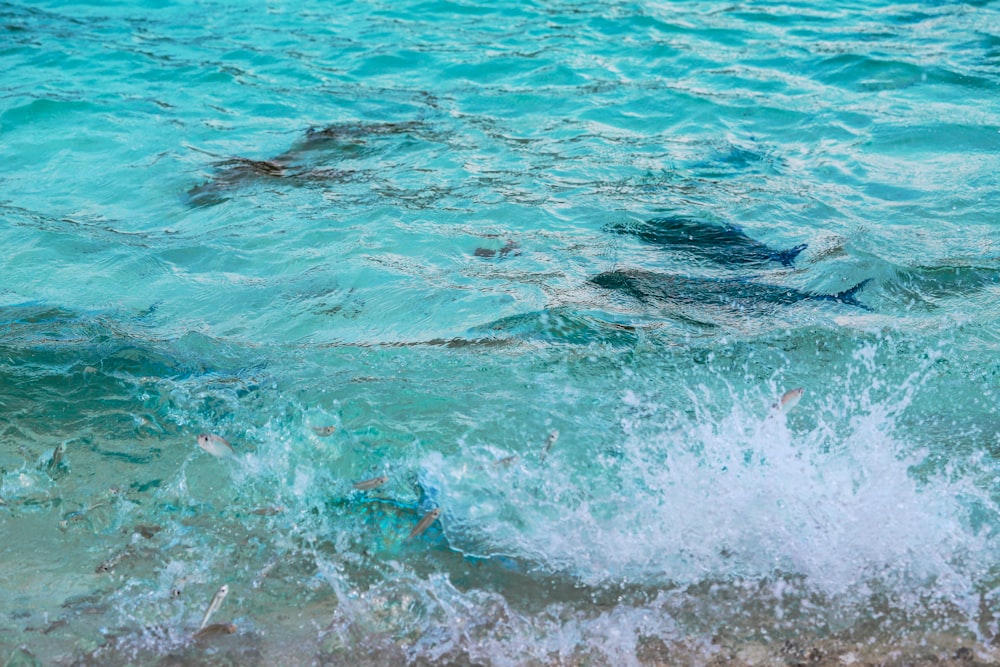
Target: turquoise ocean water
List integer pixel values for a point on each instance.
(441, 228)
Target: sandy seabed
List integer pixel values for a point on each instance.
(242, 649)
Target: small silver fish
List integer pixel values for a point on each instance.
(215, 445)
(268, 511)
(178, 588)
(264, 571)
(215, 630)
(81, 514)
(146, 530)
(57, 456)
(214, 605)
(324, 431)
(789, 399)
(54, 625)
(112, 561)
(425, 523)
(549, 441)
(369, 484)
(507, 460)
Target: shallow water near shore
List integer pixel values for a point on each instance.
(538, 264)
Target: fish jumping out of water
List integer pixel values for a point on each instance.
(56, 460)
(369, 484)
(789, 399)
(737, 294)
(549, 441)
(215, 445)
(425, 523)
(214, 605)
(723, 244)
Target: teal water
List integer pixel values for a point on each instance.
(418, 222)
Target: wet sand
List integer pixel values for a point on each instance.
(330, 647)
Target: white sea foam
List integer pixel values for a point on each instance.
(724, 493)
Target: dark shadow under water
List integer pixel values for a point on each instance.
(315, 159)
(740, 294)
(721, 243)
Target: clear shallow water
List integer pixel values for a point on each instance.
(254, 221)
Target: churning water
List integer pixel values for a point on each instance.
(539, 264)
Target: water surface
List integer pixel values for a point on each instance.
(413, 222)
